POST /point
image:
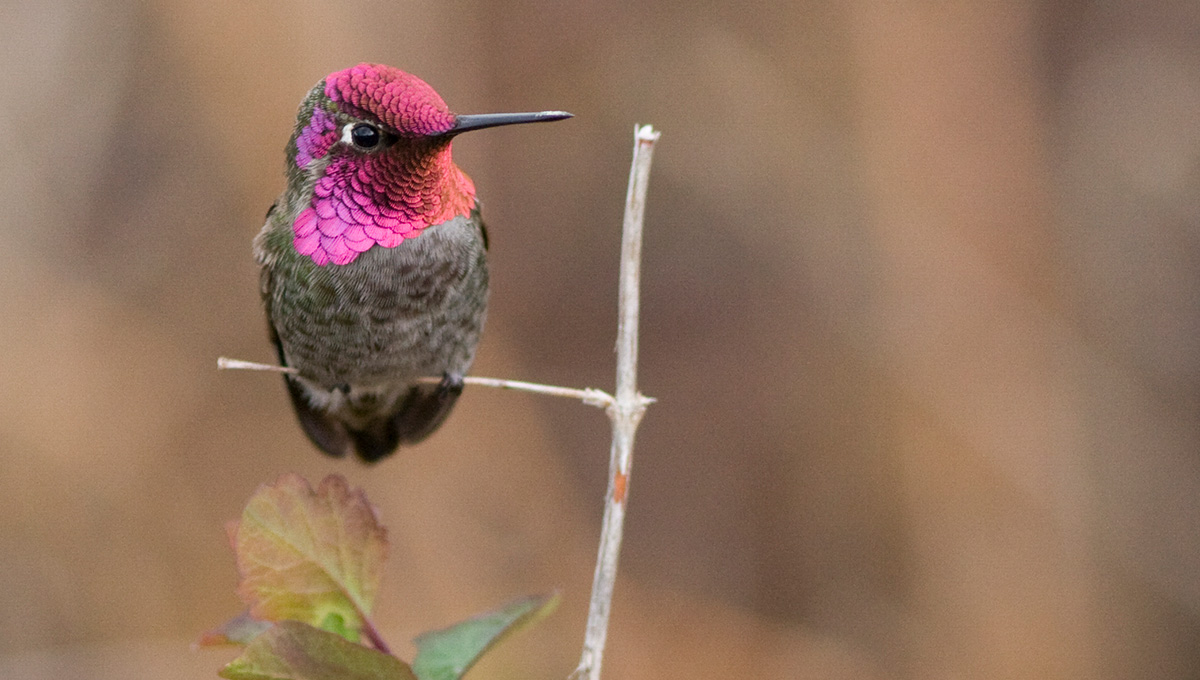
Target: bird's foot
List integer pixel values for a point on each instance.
(450, 386)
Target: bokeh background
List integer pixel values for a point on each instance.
(921, 309)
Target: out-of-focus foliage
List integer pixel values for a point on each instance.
(448, 653)
(310, 555)
(309, 562)
(295, 651)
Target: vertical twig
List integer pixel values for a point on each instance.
(625, 412)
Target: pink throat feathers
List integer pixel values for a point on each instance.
(361, 200)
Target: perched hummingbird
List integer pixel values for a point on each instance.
(374, 268)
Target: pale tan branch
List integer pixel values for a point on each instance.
(625, 412)
(227, 364)
(588, 395)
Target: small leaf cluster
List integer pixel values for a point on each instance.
(310, 562)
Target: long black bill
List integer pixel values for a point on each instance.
(486, 120)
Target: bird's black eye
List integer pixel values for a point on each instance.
(365, 136)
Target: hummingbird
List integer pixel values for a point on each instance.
(374, 260)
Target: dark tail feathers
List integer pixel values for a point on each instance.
(417, 415)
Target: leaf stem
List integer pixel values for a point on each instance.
(373, 635)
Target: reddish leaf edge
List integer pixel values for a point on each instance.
(259, 636)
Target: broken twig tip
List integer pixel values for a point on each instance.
(646, 133)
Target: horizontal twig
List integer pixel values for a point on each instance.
(589, 396)
(225, 363)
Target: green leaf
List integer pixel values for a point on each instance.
(291, 650)
(448, 653)
(310, 556)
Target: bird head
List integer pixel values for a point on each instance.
(369, 162)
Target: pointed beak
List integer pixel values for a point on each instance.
(487, 120)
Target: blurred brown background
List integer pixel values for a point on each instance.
(921, 308)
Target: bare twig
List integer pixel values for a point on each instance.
(588, 395)
(625, 412)
(225, 363)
